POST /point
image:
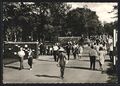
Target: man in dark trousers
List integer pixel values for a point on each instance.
(30, 58)
(93, 54)
(61, 61)
(68, 48)
(75, 50)
(55, 51)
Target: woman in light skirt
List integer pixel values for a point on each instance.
(102, 54)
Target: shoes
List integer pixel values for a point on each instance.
(62, 77)
(90, 68)
(30, 68)
(102, 71)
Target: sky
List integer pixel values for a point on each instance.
(101, 9)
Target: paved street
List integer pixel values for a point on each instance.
(45, 70)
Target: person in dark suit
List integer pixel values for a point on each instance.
(61, 61)
(75, 50)
(68, 48)
(30, 58)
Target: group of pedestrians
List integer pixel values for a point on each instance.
(62, 54)
(70, 48)
(100, 50)
(28, 54)
(45, 49)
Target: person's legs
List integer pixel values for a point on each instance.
(94, 60)
(54, 54)
(21, 63)
(100, 65)
(30, 62)
(90, 62)
(110, 55)
(68, 55)
(79, 56)
(62, 71)
(74, 54)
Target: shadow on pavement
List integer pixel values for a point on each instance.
(44, 60)
(112, 74)
(80, 68)
(13, 67)
(107, 60)
(85, 60)
(47, 76)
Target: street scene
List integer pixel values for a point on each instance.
(60, 42)
(45, 70)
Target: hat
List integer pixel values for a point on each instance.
(61, 50)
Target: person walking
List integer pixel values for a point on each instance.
(75, 50)
(61, 61)
(92, 54)
(21, 55)
(68, 48)
(51, 50)
(80, 51)
(111, 52)
(102, 54)
(30, 59)
(41, 48)
(55, 51)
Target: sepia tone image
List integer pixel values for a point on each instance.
(60, 42)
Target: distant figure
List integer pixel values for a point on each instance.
(51, 50)
(55, 52)
(93, 54)
(75, 50)
(97, 47)
(68, 48)
(61, 61)
(111, 52)
(80, 51)
(30, 58)
(41, 49)
(21, 55)
(102, 54)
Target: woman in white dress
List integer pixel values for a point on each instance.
(102, 54)
(80, 51)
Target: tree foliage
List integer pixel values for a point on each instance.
(82, 21)
(40, 21)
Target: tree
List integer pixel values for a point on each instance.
(82, 21)
(108, 27)
(29, 19)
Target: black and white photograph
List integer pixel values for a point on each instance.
(60, 42)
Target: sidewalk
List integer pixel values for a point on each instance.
(45, 70)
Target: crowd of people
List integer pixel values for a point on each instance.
(62, 53)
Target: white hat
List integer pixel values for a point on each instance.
(26, 45)
(61, 49)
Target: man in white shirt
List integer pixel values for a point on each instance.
(55, 50)
(21, 55)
